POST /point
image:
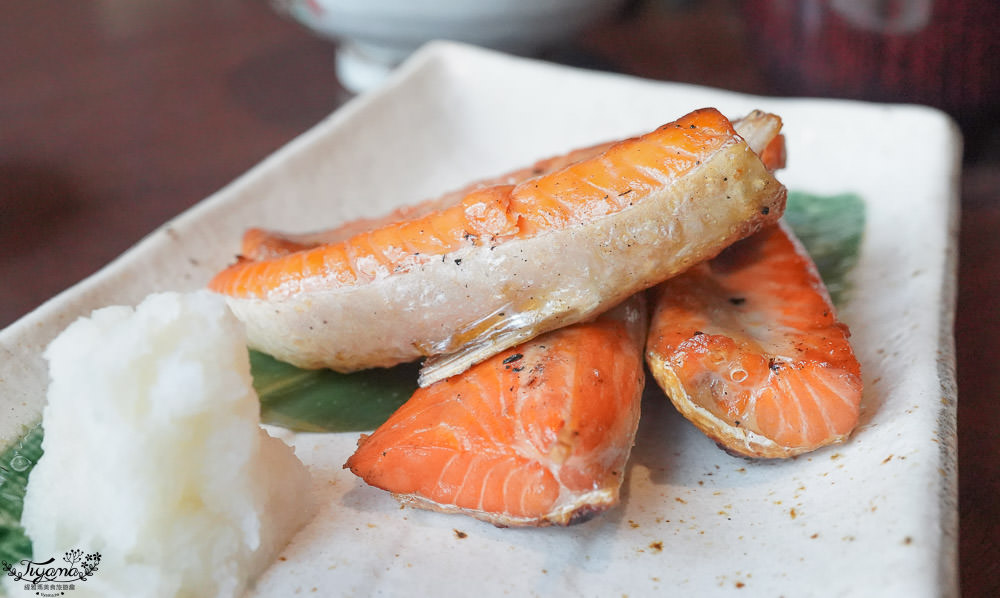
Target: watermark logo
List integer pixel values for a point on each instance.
(50, 578)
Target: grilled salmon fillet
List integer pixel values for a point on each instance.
(461, 281)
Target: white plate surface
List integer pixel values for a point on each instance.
(873, 517)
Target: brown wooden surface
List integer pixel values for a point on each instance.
(116, 115)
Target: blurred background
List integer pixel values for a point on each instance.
(116, 115)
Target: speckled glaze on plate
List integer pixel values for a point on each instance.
(874, 516)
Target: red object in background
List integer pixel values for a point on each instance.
(942, 53)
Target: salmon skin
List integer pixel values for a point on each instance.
(508, 262)
(536, 435)
(748, 347)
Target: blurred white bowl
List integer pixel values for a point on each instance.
(376, 35)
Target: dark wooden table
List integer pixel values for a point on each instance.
(117, 115)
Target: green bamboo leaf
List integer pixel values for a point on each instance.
(326, 401)
(16, 463)
(831, 228)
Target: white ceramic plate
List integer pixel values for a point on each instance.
(876, 516)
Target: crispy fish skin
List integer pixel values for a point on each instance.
(472, 302)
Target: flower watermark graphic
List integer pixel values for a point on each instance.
(52, 578)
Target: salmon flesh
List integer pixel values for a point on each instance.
(536, 435)
(748, 347)
(461, 281)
